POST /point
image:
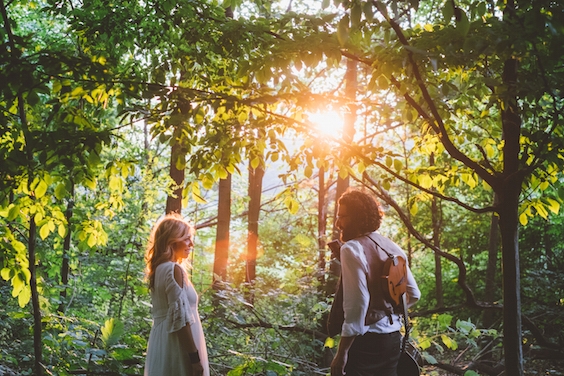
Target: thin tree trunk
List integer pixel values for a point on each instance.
(37, 326)
(436, 220)
(66, 248)
(255, 192)
(321, 227)
(222, 232)
(491, 269)
(348, 135)
(509, 194)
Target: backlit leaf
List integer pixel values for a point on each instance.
(44, 231)
(523, 219)
(111, 332)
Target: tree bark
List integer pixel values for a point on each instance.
(509, 193)
(174, 200)
(222, 232)
(321, 227)
(491, 269)
(255, 193)
(65, 269)
(37, 326)
(436, 220)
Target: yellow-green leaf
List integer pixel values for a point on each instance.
(398, 165)
(198, 198)
(541, 210)
(91, 240)
(5, 273)
(413, 209)
(425, 344)
(308, 171)
(329, 342)
(17, 285)
(553, 205)
(255, 162)
(523, 219)
(40, 189)
(449, 342)
(62, 230)
(24, 296)
(242, 117)
(44, 231)
(425, 181)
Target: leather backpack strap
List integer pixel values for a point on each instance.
(405, 323)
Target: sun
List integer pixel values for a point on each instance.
(327, 123)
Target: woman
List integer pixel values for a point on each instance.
(176, 344)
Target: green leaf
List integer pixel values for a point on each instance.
(471, 373)
(343, 30)
(368, 11)
(444, 320)
(60, 191)
(111, 332)
(429, 358)
(464, 24)
(448, 11)
(356, 13)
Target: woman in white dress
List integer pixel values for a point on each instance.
(176, 344)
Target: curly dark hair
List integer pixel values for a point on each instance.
(366, 211)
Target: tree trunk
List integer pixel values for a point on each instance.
(509, 192)
(348, 129)
(174, 200)
(37, 326)
(255, 193)
(222, 232)
(66, 247)
(351, 81)
(491, 269)
(436, 220)
(321, 227)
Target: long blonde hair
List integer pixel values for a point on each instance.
(168, 230)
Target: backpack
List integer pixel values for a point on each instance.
(394, 277)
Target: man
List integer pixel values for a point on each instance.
(370, 338)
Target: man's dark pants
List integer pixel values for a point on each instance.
(374, 354)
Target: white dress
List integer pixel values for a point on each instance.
(173, 308)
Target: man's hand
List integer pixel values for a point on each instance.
(338, 364)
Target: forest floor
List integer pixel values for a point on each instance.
(537, 367)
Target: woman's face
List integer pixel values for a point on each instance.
(182, 248)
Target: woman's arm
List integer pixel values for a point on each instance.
(187, 344)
